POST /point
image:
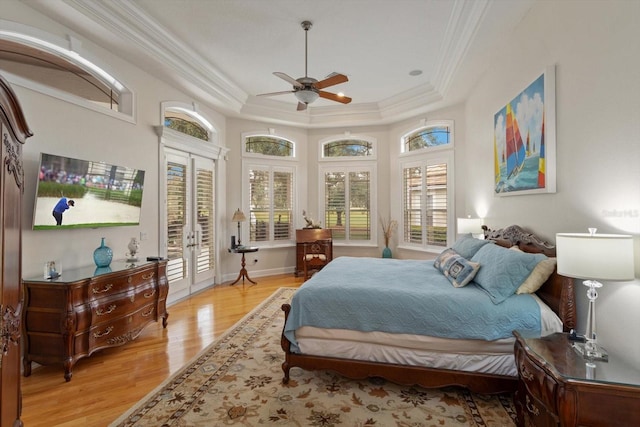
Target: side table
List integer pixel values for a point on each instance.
(243, 271)
(557, 388)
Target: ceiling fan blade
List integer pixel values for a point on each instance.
(291, 80)
(275, 93)
(301, 106)
(334, 97)
(331, 81)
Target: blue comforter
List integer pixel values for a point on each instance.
(404, 296)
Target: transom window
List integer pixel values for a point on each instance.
(269, 146)
(60, 72)
(182, 122)
(430, 136)
(347, 148)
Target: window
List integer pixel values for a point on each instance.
(434, 135)
(427, 192)
(347, 148)
(63, 73)
(269, 146)
(347, 203)
(270, 204)
(270, 188)
(347, 180)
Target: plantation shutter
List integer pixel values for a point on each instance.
(259, 205)
(359, 206)
(205, 209)
(335, 200)
(436, 207)
(412, 185)
(283, 205)
(176, 219)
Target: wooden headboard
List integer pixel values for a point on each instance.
(558, 291)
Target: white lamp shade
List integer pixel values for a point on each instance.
(597, 257)
(469, 225)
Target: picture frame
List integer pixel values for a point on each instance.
(524, 142)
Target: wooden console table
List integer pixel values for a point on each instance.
(87, 309)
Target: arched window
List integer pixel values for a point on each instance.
(435, 135)
(427, 185)
(60, 72)
(347, 148)
(268, 145)
(187, 121)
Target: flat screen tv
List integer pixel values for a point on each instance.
(74, 193)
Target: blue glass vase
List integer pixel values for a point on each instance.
(103, 255)
(386, 252)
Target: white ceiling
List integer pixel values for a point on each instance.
(224, 52)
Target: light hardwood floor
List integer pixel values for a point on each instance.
(109, 382)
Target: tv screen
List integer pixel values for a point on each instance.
(74, 193)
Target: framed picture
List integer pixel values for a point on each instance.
(524, 141)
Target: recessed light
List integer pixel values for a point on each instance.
(415, 72)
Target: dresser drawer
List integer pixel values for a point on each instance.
(105, 309)
(121, 331)
(536, 414)
(104, 288)
(538, 383)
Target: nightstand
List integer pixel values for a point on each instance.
(555, 388)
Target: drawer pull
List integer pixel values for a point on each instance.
(525, 374)
(148, 276)
(532, 408)
(149, 295)
(106, 288)
(102, 312)
(102, 334)
(148, 313)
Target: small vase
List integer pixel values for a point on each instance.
(386, 252)
(103, 255)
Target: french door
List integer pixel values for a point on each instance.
(189, 236)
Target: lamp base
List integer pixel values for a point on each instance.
(591, 351)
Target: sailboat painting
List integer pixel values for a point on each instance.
(524, 140)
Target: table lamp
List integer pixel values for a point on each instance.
(594, 257)
(239, 217)
(470, 225)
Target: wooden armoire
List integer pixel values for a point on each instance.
(13, 131)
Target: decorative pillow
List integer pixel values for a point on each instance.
(538, 276)
(457, 269)
(467, 246)
(503, 270)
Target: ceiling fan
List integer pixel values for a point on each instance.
(308, 89)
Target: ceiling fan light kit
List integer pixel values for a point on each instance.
(307, 89)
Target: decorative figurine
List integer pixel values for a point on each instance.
(311, 223)
(134, 247)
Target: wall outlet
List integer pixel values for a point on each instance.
(143, 236)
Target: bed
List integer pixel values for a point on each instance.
(453, 353)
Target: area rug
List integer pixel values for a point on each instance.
(237, 380)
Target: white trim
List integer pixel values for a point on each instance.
(272, 134)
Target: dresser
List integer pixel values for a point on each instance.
(310, 235)
(88, 309)
(556, 388)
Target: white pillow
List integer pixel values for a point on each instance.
(540, 274)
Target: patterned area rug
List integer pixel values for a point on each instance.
(237, 381)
